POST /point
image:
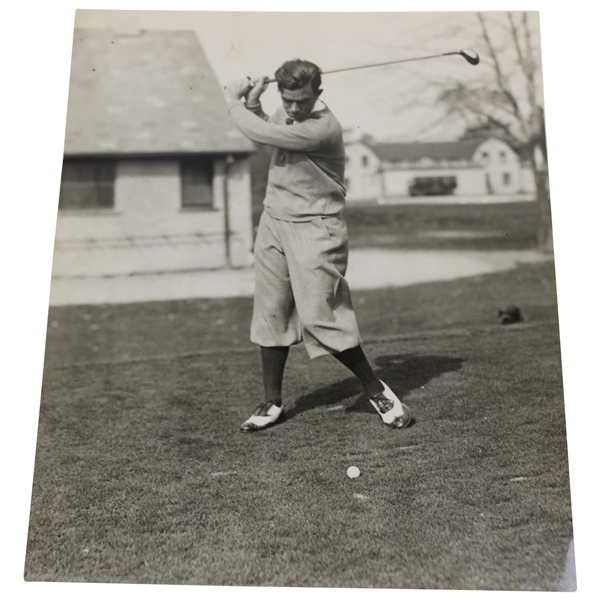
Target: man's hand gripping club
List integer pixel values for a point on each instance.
(251, 89)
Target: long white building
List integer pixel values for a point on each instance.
(476, 169)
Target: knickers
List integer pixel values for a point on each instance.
(301, 292)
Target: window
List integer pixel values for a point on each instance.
(196, 183)
(503, 156)
(87, 184)
(506, 178)
(365, 161)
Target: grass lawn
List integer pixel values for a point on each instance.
(142, 475)
(99, 333)
(501, 226)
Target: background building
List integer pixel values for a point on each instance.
(155, 176)
(480, 169)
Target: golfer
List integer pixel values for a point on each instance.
(301, 248)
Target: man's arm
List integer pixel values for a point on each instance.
(303, 136)
(257, 110)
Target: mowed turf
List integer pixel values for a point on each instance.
(510, 225)
(165, 329)
(142, 475)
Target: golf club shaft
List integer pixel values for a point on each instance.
(469, 58)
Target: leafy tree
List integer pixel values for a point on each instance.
(507, 100)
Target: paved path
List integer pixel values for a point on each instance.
(368, 269)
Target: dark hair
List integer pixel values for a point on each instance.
(295, 74)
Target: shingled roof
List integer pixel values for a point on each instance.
(437, 151)
(153, 92)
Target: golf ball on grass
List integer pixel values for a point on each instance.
(353, 472)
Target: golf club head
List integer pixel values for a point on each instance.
(470, 56)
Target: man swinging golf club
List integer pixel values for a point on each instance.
(301, 248)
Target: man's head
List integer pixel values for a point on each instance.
(299, 83)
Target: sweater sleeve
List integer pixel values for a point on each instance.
(302, 136)
(257, 109)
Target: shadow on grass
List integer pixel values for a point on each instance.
(403, 373)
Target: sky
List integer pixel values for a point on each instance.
(396, 102)
(35, 40)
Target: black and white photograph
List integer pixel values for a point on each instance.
(301, 322)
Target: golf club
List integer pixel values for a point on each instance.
(469, 55)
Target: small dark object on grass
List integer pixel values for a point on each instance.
(509, 315)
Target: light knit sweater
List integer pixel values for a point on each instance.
(306, 175)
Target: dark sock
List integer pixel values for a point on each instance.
(273, 363)
(357, 362)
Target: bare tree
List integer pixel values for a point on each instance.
(508, 100)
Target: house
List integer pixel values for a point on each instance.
(155, 176)
(477, 169)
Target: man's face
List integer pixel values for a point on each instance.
(298, 104)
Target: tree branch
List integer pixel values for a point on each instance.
(526, 64)
(500, 78)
